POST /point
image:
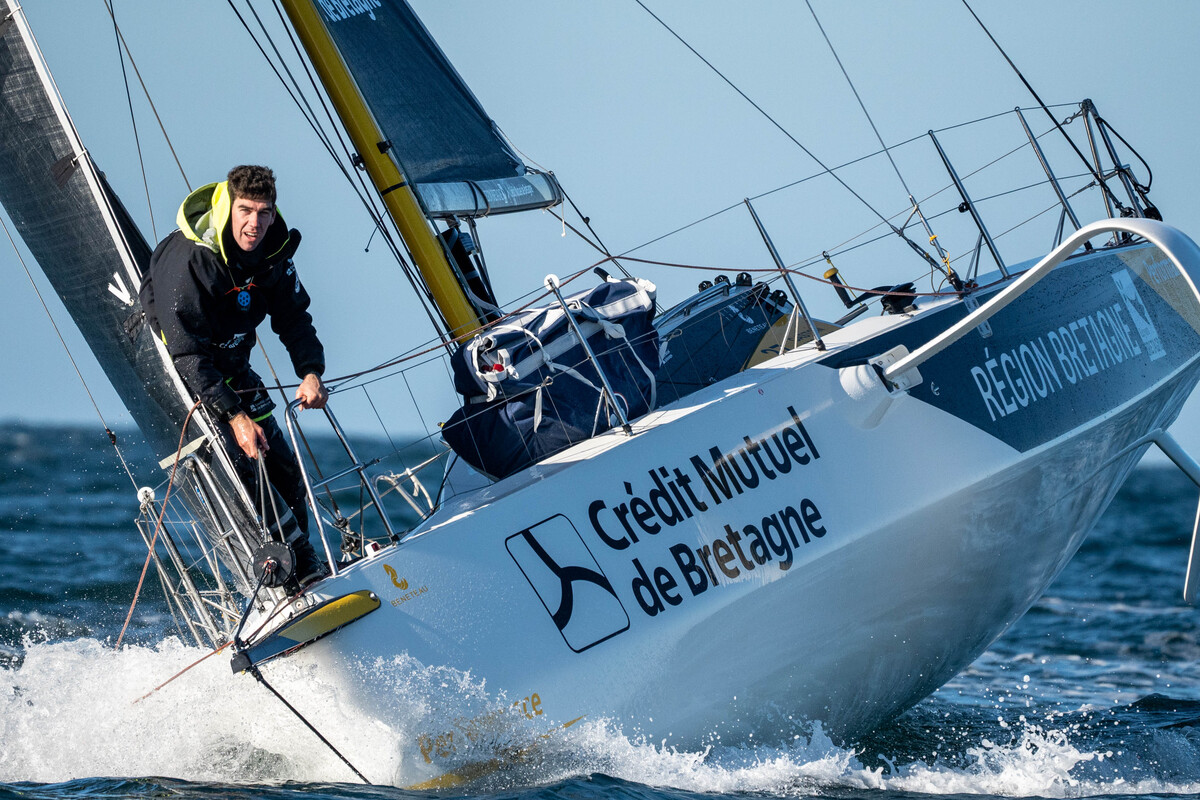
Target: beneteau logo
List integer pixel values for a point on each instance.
(398, 582)
(338, 10)
(566, 578)
(402, 585)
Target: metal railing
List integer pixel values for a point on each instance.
(1178, 247)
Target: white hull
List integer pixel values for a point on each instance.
(926, 538)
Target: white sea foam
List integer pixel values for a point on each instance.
(69, 711)
(1040, 762)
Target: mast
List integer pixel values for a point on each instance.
(386, 176)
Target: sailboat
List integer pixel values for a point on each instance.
(818, 520)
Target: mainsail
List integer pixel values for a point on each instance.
(443, 139)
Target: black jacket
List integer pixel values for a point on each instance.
(206, 304)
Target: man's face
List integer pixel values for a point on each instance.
(251, 218)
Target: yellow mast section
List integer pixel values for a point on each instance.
(391, 184)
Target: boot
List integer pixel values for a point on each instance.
(309, 566)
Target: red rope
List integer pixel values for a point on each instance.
(157, 525)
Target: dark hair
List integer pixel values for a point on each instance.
(249, 182)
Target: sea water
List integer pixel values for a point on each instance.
(1096, 691)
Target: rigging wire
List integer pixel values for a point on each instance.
(296, 84)
(826, 170)
(835, 251)
(112, 437)
(916, 207)
(588, 222)
(124, 45)
(886, 150)
(301, 102)
(813, 176)
(302, 107)
(583, 217)
(158, 523)
(132, 118)
(283, 395)
(257, 673)
(1091, 168)
(364, 191)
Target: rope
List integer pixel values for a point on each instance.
(254, 670)
(267, 621)
(1149, 173)
(266, 496)
(158, 523)
(195, 663)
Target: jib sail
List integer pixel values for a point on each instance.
(439, 133)
(85, 243)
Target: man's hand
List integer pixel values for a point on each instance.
(312, 393)
(249, 434)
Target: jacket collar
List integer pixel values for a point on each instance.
(204, 217)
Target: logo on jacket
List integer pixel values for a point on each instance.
(566, 578)
(237, 339)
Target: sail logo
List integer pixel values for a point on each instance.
(573, 589)
(338, 10)
(120, 291)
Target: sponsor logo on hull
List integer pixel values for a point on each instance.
(668, 571)
(566, 578)
(1092, 335)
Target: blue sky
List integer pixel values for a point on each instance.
(643, 136)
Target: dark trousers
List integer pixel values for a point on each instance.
(283, 473)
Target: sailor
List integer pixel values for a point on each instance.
(209, 285)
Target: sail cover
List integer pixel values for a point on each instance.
(440, 135)
(85, 243)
